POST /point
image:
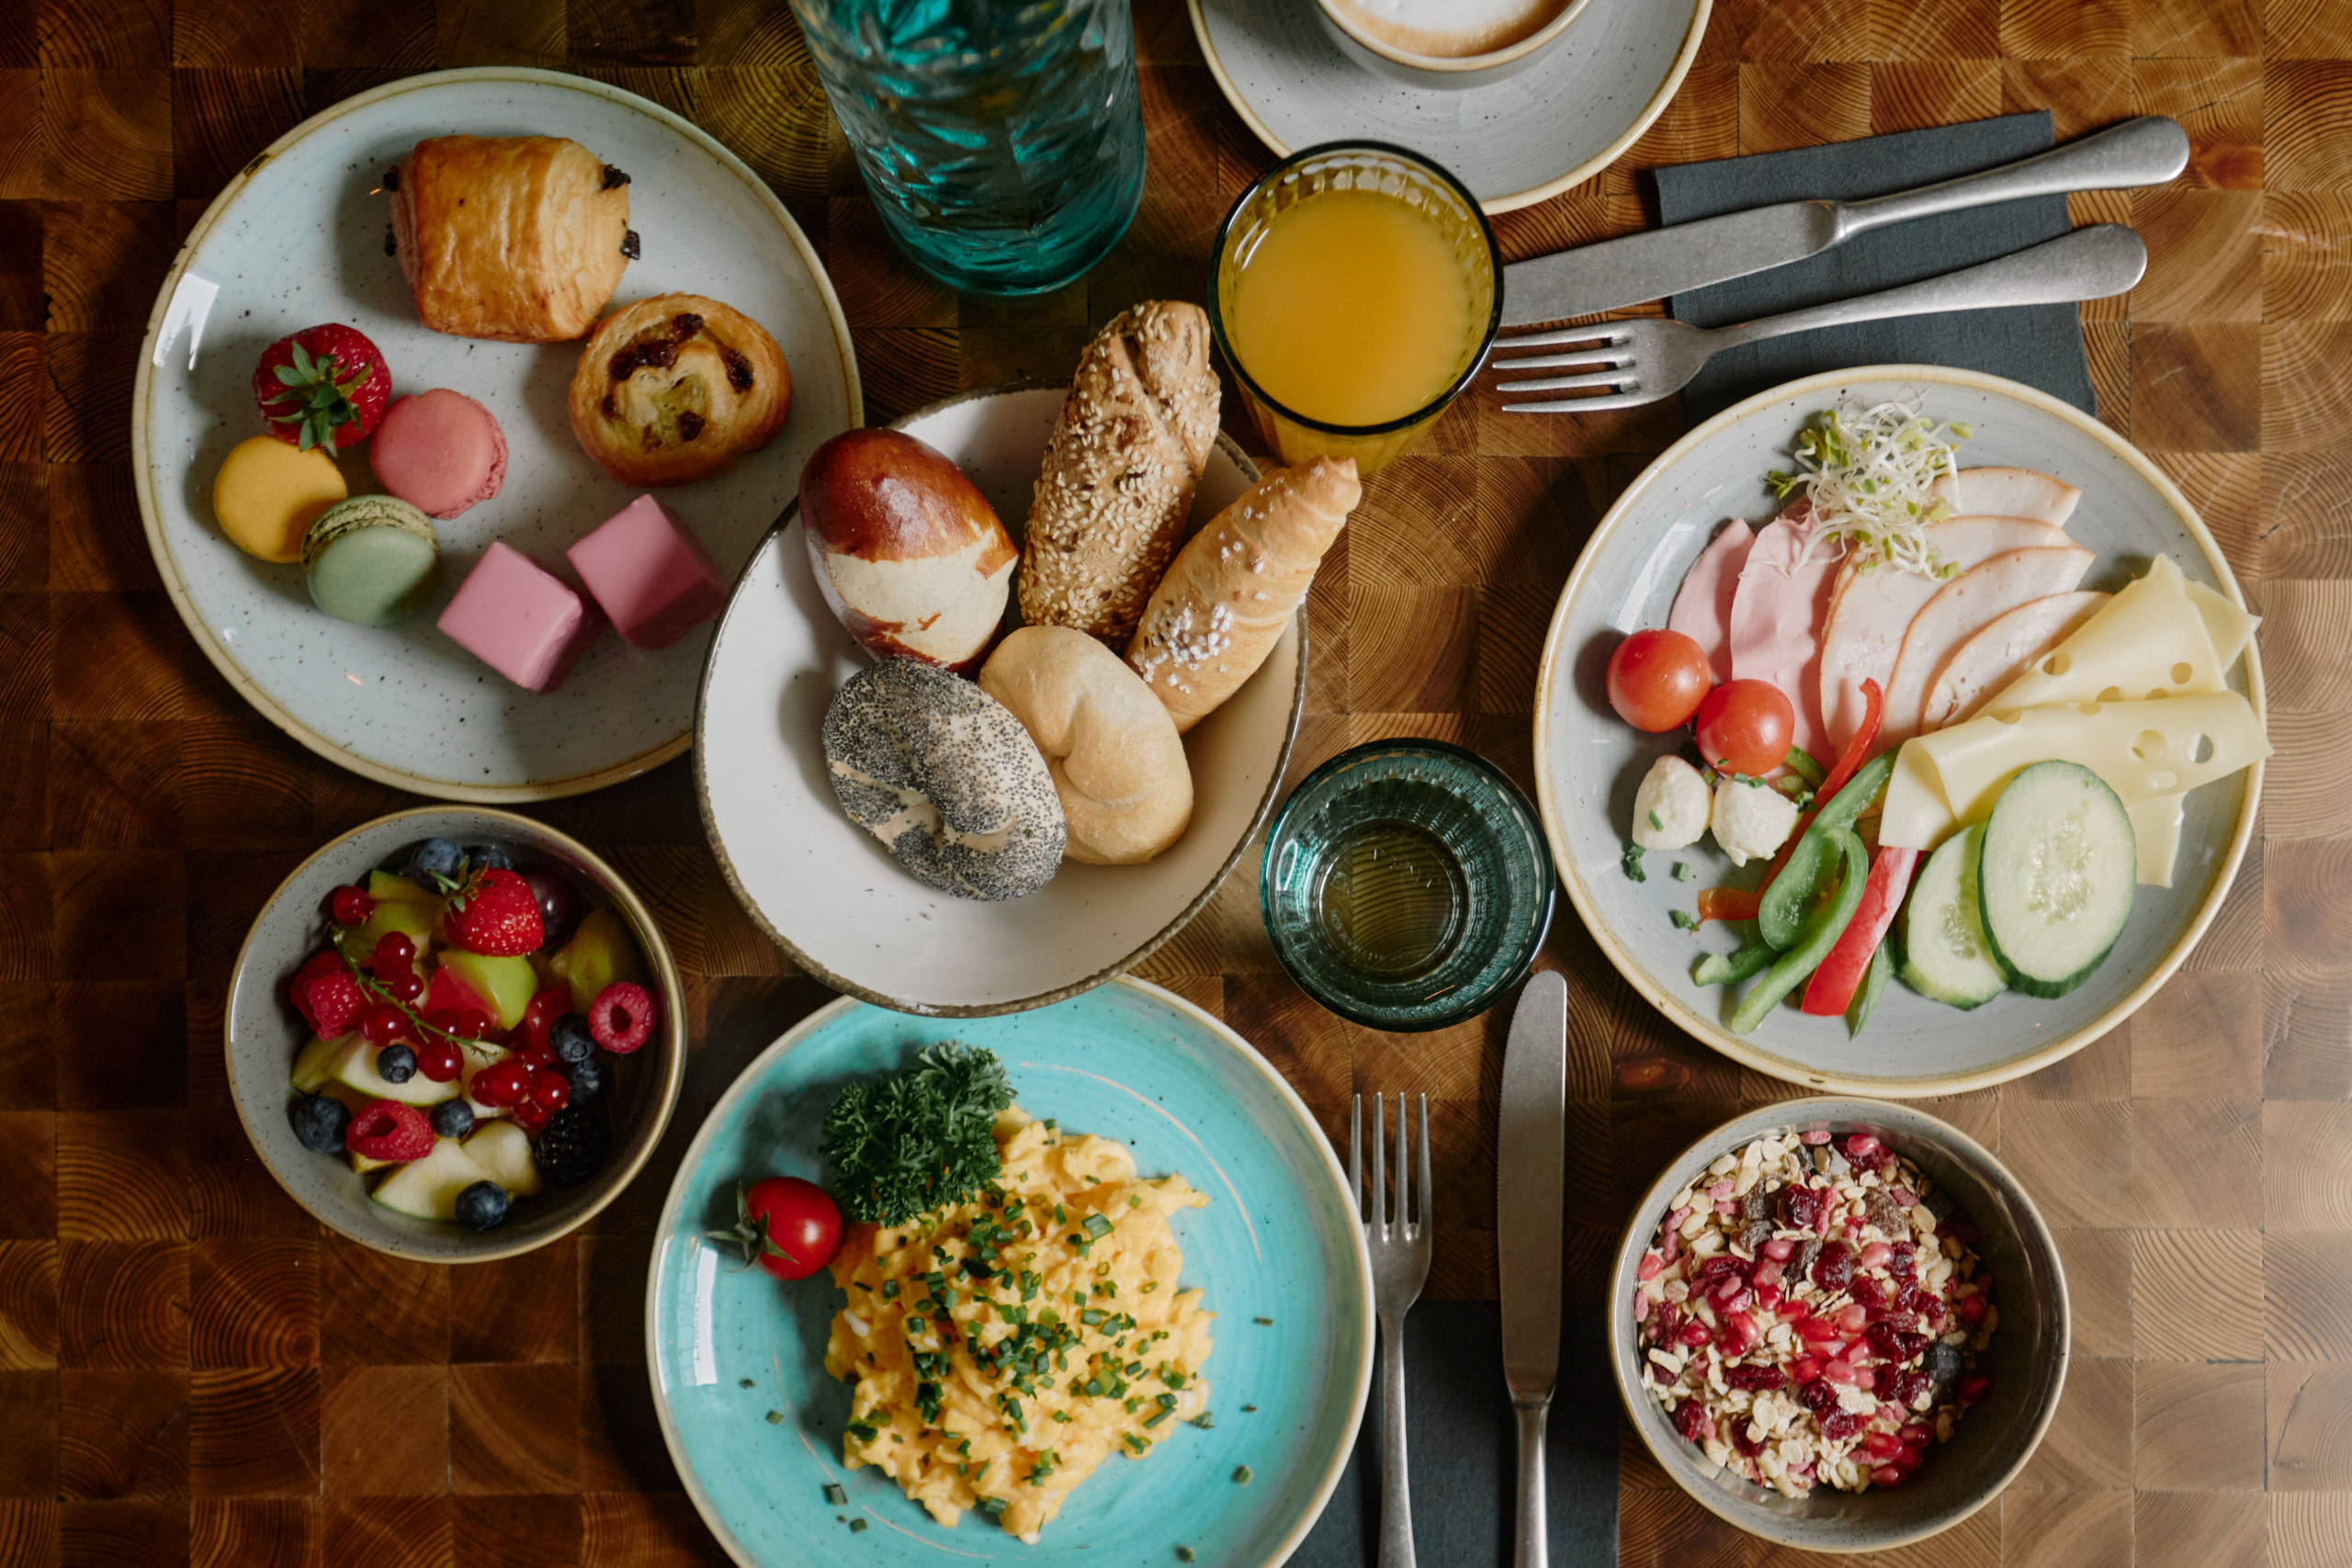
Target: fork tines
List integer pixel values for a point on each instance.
(1401, 1222)
(1602, 362)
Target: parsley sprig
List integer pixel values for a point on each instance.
(908, 1143)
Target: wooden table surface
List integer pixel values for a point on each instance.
(193, 1370)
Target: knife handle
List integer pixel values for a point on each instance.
(2143, 151)
(1534, 1519)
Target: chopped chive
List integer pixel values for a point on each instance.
(776, 1418)
(1683, 871)
(858, 1526)
(1264, 1322)
(1097, 1227)
(1183, 1554)
(835, 1496)
(1249, 1410)
(1683, 920)
(1633, 863)
(1242, 1475)
(745, 1383)
(1157, 1416)
(1655, 823)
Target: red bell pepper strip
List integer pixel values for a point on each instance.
(1834, 983)
(1727, 903)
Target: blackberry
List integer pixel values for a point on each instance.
(453, 1118)
(573, 1148)
(482, 1206)
(436, 858)
(396, 1064)
(320, 1122)
(570, 1038)
(589, 1080)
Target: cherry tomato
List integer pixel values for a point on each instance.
(1744, 727)
(796, 1227)
(1658, 678)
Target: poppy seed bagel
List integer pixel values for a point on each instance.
(946, 778)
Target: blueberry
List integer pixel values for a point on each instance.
(570, 1038)
(436, 858)
(482, 1206)
(453, 1118)
(319, 1122)
(588, 1079)
(489, 857)
(396, 1064)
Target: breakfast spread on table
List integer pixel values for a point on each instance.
(1907, 650)
(466, 1017)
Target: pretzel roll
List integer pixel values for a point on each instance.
(1112, 748)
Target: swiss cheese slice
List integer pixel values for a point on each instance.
(2230, 627)
(2155, 828)
(2149, 641)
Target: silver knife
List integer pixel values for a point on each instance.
(1659, 261)
(1531, 1178)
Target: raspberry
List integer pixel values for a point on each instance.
(621, 1018)
(391, 1132)
(350, 906)
(335, 1000)
(297, 986)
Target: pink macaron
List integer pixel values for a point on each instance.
(439, 451)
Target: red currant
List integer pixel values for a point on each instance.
(473, 1025)
(534, 1056)
(532, 1118)
(505, 1084)
(406, 987)
(350, 906)
(383, 1023)
(438, 1060)
(540, 1016)
(443, 1020)
(394, 954)
(550, 1092)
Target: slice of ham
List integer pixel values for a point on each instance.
(1872, 611)
(1960, 609)
(1703, 605)
(1776, 613)
(2008, 492)
(2000, 653)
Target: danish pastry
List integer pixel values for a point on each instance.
(518, 238)
(676, 387)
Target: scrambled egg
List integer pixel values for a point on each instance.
(1003, 1349)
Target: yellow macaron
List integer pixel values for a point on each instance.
(267, 494)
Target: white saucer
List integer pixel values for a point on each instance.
(1562, 120)
(298, 238)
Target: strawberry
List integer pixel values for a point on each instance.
(327, 997)
(390, 1132)
(326, 386)
(495, 912)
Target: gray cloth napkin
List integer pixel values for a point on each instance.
(1461, 1441)
(2040, 345)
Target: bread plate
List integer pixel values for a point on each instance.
(1588, 762)
(298, 238)
(827, 892)
(1276, 1251)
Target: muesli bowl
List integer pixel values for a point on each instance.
(2022, 1361)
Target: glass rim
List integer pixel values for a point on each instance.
(1535, 929)
(1453, 389)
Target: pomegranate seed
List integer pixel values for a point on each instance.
(1767, 1278)
(1874, 1256)
(1651, 1266)
(1818, 1331)
(1803, 1370)
(1816, 1137)
(438, 1060)
(1641, 1306)
(394, 954)
(1779, 1249)
(1794, 1312)
(1839, 1370)
(383, 1024)
(1911, 1458)
(1853, 1316)
(1861, 1144)
(1971, 1310)
(350, 906)
(1916, 1434)
(1887, 1475)
(1695, 1335)
(1984, 1282)
(1974, 1387)
(1882, 1445)
(550, 1092)
(405, 987)
(1865, 1379)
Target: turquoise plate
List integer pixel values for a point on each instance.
(1278, 1241)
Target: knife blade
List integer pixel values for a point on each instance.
(1658, 262)
(1530, 1185)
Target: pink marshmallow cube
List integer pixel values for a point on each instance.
(649, 575)
(520, 619)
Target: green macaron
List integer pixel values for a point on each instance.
(373, 559)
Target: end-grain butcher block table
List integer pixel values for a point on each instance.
(193, 1370)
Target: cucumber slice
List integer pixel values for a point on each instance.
(2056, 877)
(1945, 955)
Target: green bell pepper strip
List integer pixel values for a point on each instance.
(1873, 981)
(1731, 968)
(1816, 934)
(1781, 912)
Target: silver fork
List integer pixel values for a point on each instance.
(1399, 1243)
(1630, 363)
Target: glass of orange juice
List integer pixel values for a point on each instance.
(1356, 289)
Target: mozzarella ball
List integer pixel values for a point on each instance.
(1670, 808)
(1751, 820)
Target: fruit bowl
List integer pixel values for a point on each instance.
(265, 1036)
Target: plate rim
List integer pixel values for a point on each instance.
(1064, 992)
(1686, 54)
(1224, 1032)
(142, 457)
(1711, 1033)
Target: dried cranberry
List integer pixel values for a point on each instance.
(1722, 1267)
(1689, 1420)
(1904, 1263)
(1669, 1319)
(1817, 1396)
(1895, 1344)
(1867, 1292)
(1658, 1374)
(1833, 1269)
(1910, 1388)
(1840, 1424)
(1754, 1377)
(1742, 1441)
(1799, 1206)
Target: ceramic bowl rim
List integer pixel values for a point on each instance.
(1230, 1037)
(159, 546)
(487, 1246)
(1063, 992)
(1711, 1033)
(2034, 1230)
(1442, 65)
(1684, 55)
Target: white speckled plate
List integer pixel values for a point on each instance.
(297, 239)
(830, 895)
(1588, 762)
(1560, 119)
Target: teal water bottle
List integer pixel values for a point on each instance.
(1002, 139)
